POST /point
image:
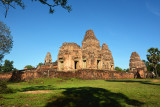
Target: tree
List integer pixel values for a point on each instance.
(8, 66)
(126, 70)
(51, 4)
(158, 68)
(153, 57)
(0, 68)
(149, 68)
(118, 69)
(6, 42)
(28, 67)
(40, 64)
(4, 89)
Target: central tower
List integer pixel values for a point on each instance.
(72, 57)
(91, 51)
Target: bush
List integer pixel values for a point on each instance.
(28, 67)
(4, 89)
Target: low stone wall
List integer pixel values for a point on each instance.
(82, 74)
(100, 74)
(93, 74)
(24, 75)
(5, 76)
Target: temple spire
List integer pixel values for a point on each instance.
(48, 59)
(89, 35)
(105, 46)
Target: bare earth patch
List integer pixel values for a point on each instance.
(155, 80)
(38, 91)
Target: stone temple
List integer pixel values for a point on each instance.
(136, 63)
(90, 61)
(48, 59)
(91, 55)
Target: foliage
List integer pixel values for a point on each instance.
(118, 69)
(11, 3)
(51, 4)
(40, 64)
(15, 69)
(6, 42)
(0, 67)
(126, 70)
(158, 68)
(4, 89)
(8, 66)
(149, 68)
(29, 66)
(153, 57)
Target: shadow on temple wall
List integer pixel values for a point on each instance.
(136, 81)
(91, 97)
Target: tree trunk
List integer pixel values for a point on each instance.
(155, 70)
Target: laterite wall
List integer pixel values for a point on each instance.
(5, 76)
(82, 74)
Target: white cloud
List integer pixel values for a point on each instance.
(153, 6)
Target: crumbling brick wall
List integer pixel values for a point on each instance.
(5, 76)
(24, 75)
(140, 73)
(100, 74)
(82, 74)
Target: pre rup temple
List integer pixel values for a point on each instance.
(91, 55)
(91, 61)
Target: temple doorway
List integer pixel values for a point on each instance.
(75, 64)
(98, 64)
(61, 65)
(84, 64)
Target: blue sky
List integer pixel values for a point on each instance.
(125, 25)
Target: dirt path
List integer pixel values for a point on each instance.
(155, 81)
(38, 91)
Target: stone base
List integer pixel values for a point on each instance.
(86, 74)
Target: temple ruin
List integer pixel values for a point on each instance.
(136, 62)
(48, 59)
(72, 57)
(91, 61)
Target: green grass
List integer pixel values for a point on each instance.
(84, 93)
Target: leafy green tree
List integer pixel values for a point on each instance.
(28, 67)
(126, 70)
(158, 68)
(15, 69)
(8, 66)
(0, 68)
(4, 89)
(40, 64)
(118, 69)
(6, 42)
(51, 4)
(153, 57)
(149, 68)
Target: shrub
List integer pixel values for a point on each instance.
(4, 89)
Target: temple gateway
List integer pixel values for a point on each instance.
(91, 55)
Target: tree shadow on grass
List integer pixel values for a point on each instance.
(91, 97)
(134, 81)
(34, 88)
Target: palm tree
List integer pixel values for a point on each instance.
(153, 58)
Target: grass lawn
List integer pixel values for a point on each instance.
(57, 92)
